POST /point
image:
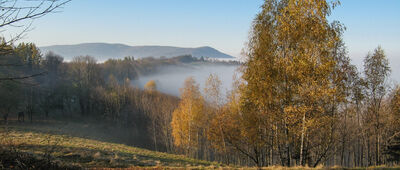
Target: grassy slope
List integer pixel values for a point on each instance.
(87, 153)
(39, 139)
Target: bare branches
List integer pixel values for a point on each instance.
(14, 12)
(23, 77)
(12, 65)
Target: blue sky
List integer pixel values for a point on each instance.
(222, 24)
(371, 23)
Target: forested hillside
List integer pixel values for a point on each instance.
(45, 87)
(297, 101)
(104, 51)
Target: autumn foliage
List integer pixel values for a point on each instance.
(299, 100)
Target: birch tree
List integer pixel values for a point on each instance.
(289, 76)
(376, 71)
(187, 119)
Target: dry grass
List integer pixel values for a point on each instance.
(43, 142)
(88, 153)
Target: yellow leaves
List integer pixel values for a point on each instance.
(180, 127)
(188, 119)
(150, 86)
(294, 114)
(395, 105)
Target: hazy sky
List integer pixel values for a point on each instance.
(222, 24)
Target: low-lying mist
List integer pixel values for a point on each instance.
(170, 79)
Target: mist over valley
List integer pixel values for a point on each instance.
(273, 84)
(171, 78)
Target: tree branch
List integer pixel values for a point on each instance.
(23, 77)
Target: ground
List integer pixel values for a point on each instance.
(45, 141)
(57, 145)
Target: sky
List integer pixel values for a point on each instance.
(221, 24)
(370, 23)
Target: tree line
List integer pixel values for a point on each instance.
(45, 87)
(298, 101)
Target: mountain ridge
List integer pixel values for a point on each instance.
(103, 51)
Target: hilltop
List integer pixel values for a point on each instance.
(104, 51)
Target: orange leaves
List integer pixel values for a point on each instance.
(290, 75)
(150, 86)
(188, 118)
(395, 106)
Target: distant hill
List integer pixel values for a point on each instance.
(103, 51)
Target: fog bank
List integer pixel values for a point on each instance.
(170, 79)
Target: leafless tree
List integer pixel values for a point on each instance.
(21, 13)
(16, 17)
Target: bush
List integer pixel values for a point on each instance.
(12, 159)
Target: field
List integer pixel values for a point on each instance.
(56, 146)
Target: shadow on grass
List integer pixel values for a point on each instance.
(84, 156)
(100, 158)
(88, 129)
(106, 155)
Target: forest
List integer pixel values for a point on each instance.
(297, 99)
